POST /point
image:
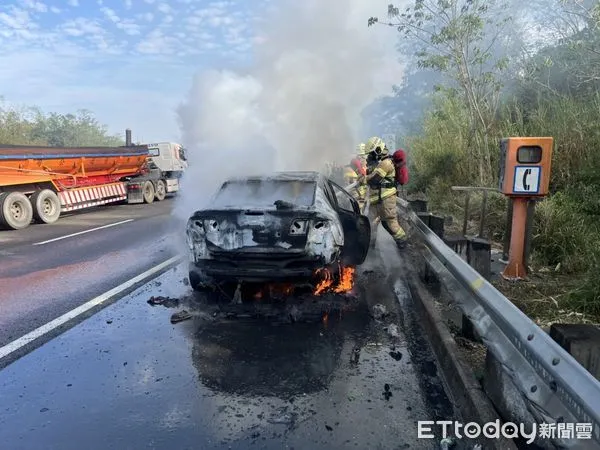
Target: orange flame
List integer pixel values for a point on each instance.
(345, 282)
(274, 290)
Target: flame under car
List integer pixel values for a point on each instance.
(285, 227)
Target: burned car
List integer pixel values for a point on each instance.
(278, 228)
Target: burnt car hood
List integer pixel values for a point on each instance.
(262, 230)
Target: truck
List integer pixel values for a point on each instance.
(38, 184)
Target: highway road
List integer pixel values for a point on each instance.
(47, 270)
(230, 377)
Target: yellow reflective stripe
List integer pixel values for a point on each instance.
(385, 193)
(400, 234)
(380, 172)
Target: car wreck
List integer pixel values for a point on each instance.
(284, 227)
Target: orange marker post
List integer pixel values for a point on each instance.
(525, 165)
(516, 268)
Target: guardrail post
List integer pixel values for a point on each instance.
(582, 341)
(436, 224)
(418, 206)
(479, 256)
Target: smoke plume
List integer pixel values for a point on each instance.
(316, 66)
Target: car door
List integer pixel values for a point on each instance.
(357, 229)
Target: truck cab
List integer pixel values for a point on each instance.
(169, 157)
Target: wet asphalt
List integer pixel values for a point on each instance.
(231, 376)
(40, 282)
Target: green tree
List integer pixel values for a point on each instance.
(31, 126)
(457, 37)
(73, 130)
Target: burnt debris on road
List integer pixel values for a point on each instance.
(127, 377)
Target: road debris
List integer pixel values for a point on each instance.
(378, 311)
(392, 330)
(180, 316)
(355, 357)
(396, 355)
(282, 416)
(164, 301)
(446, 444)
(387, 393)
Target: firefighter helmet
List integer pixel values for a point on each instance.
(377, 146)
(361, 150)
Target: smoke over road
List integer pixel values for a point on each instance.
(315, 67)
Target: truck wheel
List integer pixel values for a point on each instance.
(148, 192)
(161, 190)
(16, 211)
(46, 206)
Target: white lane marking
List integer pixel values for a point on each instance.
(83, 232)
(53, 324)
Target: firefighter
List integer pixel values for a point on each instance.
(382, 184)
(361, 152)
(355, 172)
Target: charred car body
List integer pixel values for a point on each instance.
(277, 228)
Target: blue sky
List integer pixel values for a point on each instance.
(130, 62)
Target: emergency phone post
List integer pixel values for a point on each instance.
(525, 164)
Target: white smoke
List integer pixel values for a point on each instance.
(316, 67)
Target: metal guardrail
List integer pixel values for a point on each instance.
(553, 384)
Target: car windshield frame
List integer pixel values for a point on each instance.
(263, 193)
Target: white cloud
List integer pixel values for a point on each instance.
(164, 8)
(19, 19)
(155, 43)
(84, 50)
(110, 14)
(35, 6)
(128, 26)
(148, 17)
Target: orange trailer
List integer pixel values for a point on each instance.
(41, 182)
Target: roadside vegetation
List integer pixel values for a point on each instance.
(31, 126)
(495, 87)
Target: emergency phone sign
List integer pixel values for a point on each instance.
(527, 179)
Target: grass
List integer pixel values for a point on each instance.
(546, 298)
(566, 237)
